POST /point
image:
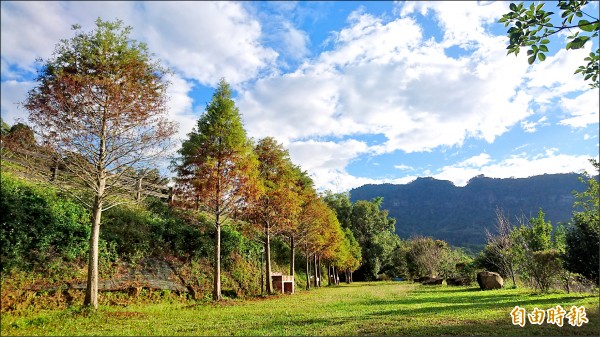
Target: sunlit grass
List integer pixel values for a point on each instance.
(378, 308)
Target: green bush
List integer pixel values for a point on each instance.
(547, 267)
(39, 224)
(174, 233)
(152, 229)
(128, 227)
(47, 234)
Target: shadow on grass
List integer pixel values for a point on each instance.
(433, 311)
(392, 325)
(452, 295)
(503, 327)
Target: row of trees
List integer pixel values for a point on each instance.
(222, 172)
(372, 228)
(100, 110)
(384, 254)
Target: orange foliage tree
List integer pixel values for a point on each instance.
(276, 209)
(217, 170)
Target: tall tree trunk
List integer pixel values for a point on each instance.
(307, 267)
(292, 256)
(512, 276)
(320, 270)
(335, 268)
(268, 260)
(331, 277)
(262, 272)
(334, 275)
(315, 270)
(217, 272)
(138, 192)
(91, 291)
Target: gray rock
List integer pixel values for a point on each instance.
(489, 280)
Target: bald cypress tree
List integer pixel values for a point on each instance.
(217, 168)
(100, 106)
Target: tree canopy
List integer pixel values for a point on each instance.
(532, 26)
(583, 233)
(100, 106)
(276, 209)
(217, 169)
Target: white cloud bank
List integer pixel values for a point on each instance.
(199, 41)
(518, 166)
(380, 76)
(384, 78)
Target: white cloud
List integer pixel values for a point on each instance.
(531, 127)
(328, 155)
(13, 93)
(583, 109)
(382, 78)
(476, 161)
(205, 40)
(403, 167)
(518, 166)
(326, 161)
(555, 76)
(200, 40)
(180, 106)
(463, 22)
(31, 29)
(295, 41)
(27, 35)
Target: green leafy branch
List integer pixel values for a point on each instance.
(531, 27)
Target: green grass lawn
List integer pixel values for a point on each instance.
(372, 308)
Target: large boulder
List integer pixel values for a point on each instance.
(489, 280)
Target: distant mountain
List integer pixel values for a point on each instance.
(459, 215)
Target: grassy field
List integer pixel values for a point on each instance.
(377, 308)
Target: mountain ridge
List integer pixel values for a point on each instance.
(460, 214)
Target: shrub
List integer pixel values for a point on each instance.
(546, 266)
(39, 224)
(128, 227)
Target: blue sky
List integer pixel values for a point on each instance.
(359, 92)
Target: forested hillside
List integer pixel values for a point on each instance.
(459, 215)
